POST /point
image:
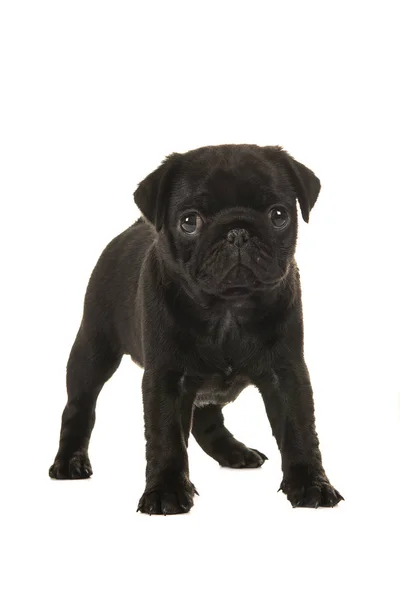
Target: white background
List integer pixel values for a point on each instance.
(93, 95)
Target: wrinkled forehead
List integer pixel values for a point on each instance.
(220, 184)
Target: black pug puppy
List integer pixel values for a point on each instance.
(204, 294)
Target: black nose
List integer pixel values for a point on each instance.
(238, 237)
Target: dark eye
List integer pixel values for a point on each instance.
(191, 223)
(279, 217)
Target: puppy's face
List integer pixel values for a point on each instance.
(227, 217)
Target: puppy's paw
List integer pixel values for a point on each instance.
(76, 466)
(231, 453)
(168, 499)
(307, 487)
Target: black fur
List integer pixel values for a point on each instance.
(205, 315)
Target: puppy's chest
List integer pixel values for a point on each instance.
(220, 363)
(227, 347)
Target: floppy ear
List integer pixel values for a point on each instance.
(305, 182)
(151, 195)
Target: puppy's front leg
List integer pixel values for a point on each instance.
(168, 413)
(288, 398)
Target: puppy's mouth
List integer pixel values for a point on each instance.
(239, 281)
(239, 276)
(235, 292)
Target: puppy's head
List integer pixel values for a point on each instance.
(226, 216)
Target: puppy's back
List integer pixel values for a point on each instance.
(111, 291)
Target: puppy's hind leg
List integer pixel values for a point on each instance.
(91, 363)
(215, 439)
